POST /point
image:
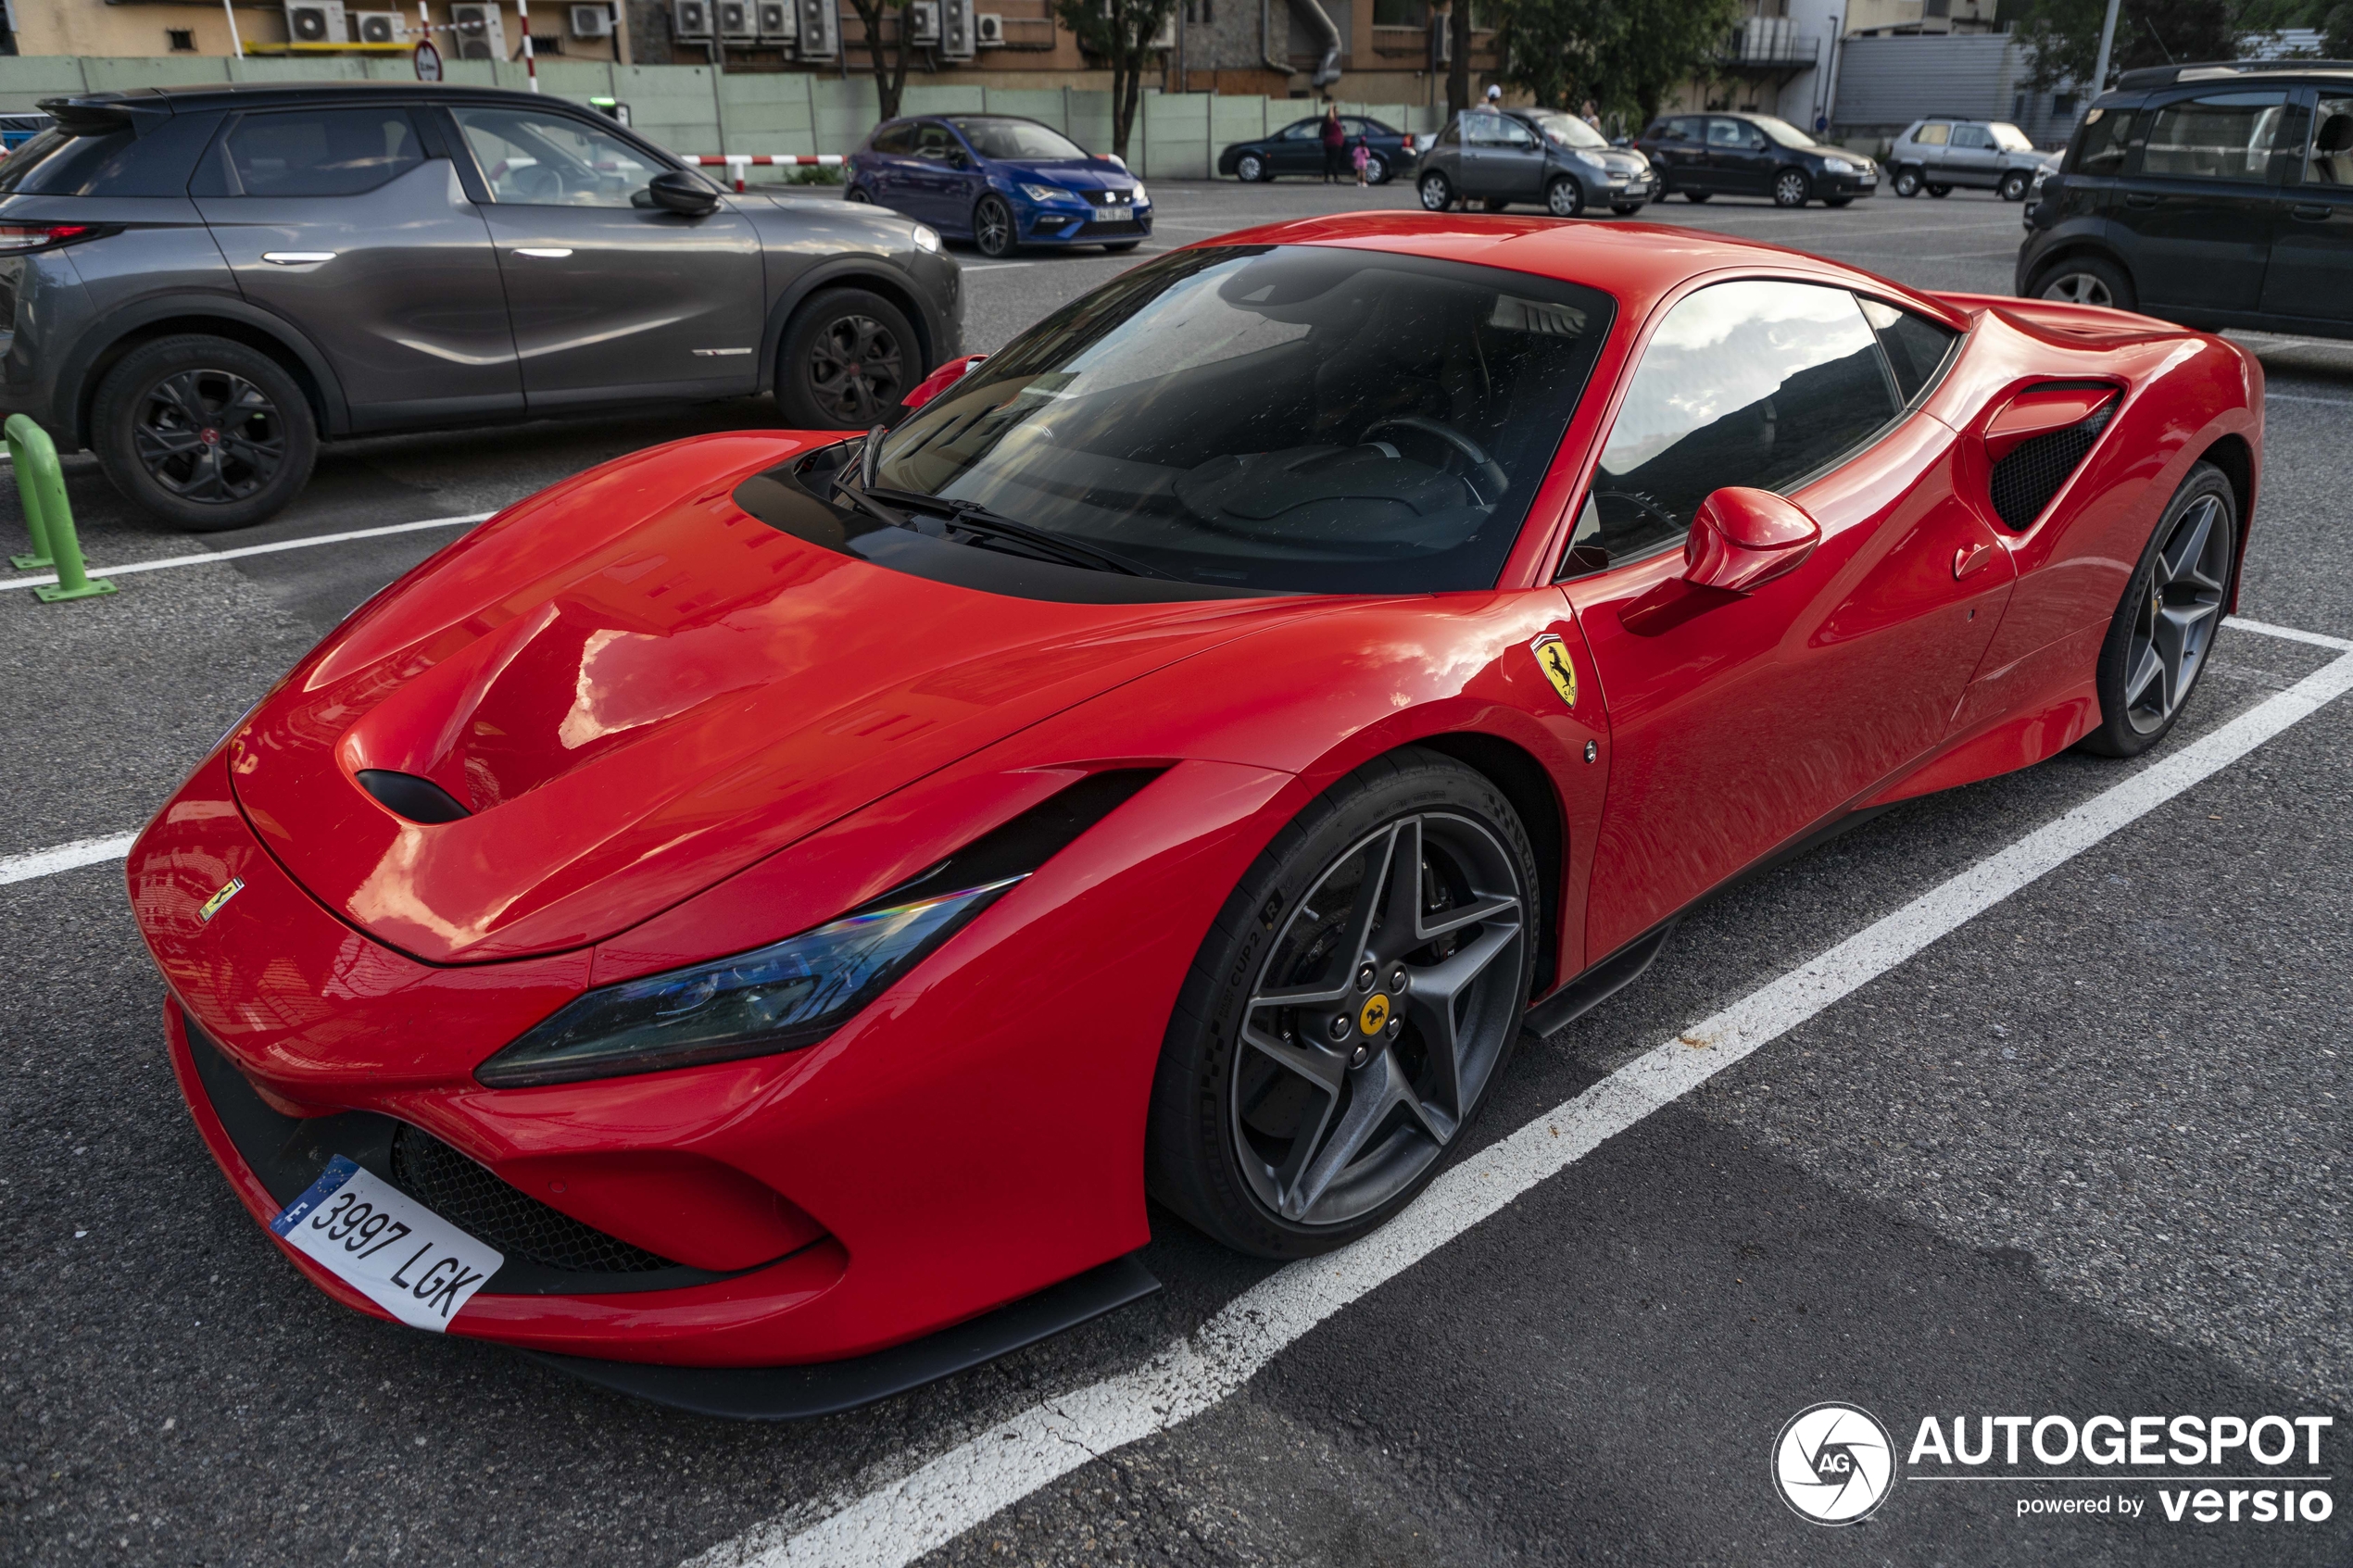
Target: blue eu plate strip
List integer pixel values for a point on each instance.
(339, 1170)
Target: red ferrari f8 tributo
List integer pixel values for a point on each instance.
(780, 901)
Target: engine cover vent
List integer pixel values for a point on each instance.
(2026, 479)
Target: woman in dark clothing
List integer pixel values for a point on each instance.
(1335, 144)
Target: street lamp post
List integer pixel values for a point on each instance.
(2107, 40)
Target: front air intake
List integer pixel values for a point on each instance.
(471, 1198)
(2030, 473)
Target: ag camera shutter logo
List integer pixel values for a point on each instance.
(1834, 1464)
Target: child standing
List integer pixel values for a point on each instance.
(1361, 157)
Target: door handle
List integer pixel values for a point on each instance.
(2310, 214)
(1968, 557)
(545, 253)
(297, 258)
(2139, 199)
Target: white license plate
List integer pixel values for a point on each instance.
(387, 1245)
(1869, 181)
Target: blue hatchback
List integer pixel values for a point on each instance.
(999, 181)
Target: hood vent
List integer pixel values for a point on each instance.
(405, 795)
(2030, 473)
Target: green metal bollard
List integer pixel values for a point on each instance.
(48, 517)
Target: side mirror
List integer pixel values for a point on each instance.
(939, 381)
(1742, 539)
(675, 190)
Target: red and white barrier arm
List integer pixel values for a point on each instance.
(737, 163)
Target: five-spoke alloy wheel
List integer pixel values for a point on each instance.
(2158, 645)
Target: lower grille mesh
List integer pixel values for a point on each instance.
(478, 1203)
(2025, 480)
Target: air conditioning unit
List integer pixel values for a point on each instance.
(955, 30)
(590, 21)
(690, 21)
(481, 35)
(923, 22)
(739, 22)
(820, 29)
(376, 27)
(776, 21)
(989, 30)
(318, 21)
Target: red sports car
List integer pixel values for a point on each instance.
(776, 901)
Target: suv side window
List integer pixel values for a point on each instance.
(1932, 135)
(323, 152)
(2332, 161)
(2220, 136)
(532, 158)
(2102, 142)
(1757, 382)
(1972, 136)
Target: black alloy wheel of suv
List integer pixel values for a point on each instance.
(204, 432)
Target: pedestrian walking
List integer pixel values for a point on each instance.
(1495, 95)
(1361, 157)
(1335, 143)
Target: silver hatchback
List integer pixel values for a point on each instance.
(1940, 154)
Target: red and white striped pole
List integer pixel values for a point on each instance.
(736, 163)
(530, 61)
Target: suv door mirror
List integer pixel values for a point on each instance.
(1742, 539)
(675, 190)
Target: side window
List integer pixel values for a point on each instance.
(2221, 136)
(1727, 133)
(2102, 142)
(1305, 130)
(1916, 347)
(534, 159)
(1452, 136)
(934, 143)
(1756, 384)
(1972, 137)
(2332, 162)
(321, 152)
(1519, 136)
(894, 139)
(1484, 129)
(1932, 135)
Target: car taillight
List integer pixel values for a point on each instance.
(37, 236)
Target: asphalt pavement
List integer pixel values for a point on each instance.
(2083, 1152)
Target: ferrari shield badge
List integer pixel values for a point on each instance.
(1552, 657)
(212, 904)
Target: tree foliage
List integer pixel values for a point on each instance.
(1120, 33)
(1627, 55)
(2062, 37)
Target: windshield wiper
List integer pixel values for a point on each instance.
(871, 506)
(974, 517)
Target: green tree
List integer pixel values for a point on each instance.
(1660, 45)
(2336, 33)
(2062, 37)
(890, 62)
(1552, 49)
(1120, 34)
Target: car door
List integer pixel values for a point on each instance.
(2311, 275)
(890, 165)
(1514, 163)
(1299, 148)
(2199, 202)
(345, 222)
(1482, 135)
(611, 300)
(1682, 153)
(940, 181)
(1969, 159)
(1740, 722)
(1738, 158)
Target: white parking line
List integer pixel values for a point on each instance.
(208, 558)
(971, 1483)
(2271, 397)
(64, 857)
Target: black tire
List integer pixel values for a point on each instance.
(1565, 197)
(1121, 248)
(848, 357)
(858, 194)
(1791, 188)
(1697, 197)
(2086, 280)
(1437, 191)
(2015, 185)
(2156, 646)
(203, 433)
(1252, 169)
(1377, 170)
(1908, 183)
(1626, 209)
(995, 234)
(1838, 201)
(1940, 191)
(1219, 1105)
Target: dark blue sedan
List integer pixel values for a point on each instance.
(999, 181)
(1298, 148)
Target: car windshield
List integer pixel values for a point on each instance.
(1285, 418)
(1567, 130)
(1780, 131)
(2009, 138)
(1015, 139)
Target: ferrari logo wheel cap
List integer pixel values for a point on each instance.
(1552, 657)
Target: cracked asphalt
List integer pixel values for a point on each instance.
(2087, 1154)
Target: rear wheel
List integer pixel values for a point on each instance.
(858, 194)
(2015, 183)
(1376, 169)
(1565, 197)
(848, 357)
(993, 230)
(204, 432)
(1348, 1012)
(2156, 645)
(1438, 191)
(1791, 188)
(1908, 183)
(2084, 279)
(1250, 169)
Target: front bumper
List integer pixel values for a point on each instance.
(1089, 226)
(1847, 184)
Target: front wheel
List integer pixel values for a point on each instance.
(1908, 183)
(1791, 188)
(858, 194)
(1348, 1012)
(1563, 197)
(848, 357)
(204, 432)
(1438, 191)
(1249, 169)
(993, 230)
(2156, 645)
(2014, 185)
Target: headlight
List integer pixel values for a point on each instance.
(1138, 197)
(791, 994)
(927, 238)
(1044, 193)
(1838, 166)
(1590, 160)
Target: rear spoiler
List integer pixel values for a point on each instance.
(103, 116)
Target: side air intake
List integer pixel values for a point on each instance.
(2028, 475)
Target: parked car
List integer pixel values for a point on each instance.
(211, 280)
(2216, 195)
(1000, 182)
(15, 130)
(1499, 157)
(1699, 155)
(1938, 155)
(1298, 148)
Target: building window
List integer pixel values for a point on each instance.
(182, 40)
(1400, 13)
(1200, 12)
(2062, 106)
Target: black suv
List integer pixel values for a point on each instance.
(199, 284)
(2215, 195)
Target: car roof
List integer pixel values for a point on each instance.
(2231, 71)
(190, 99)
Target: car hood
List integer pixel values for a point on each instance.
(1095, 174)
(637, 689)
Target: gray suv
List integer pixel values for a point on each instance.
(1937, 154)
(200, 283)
